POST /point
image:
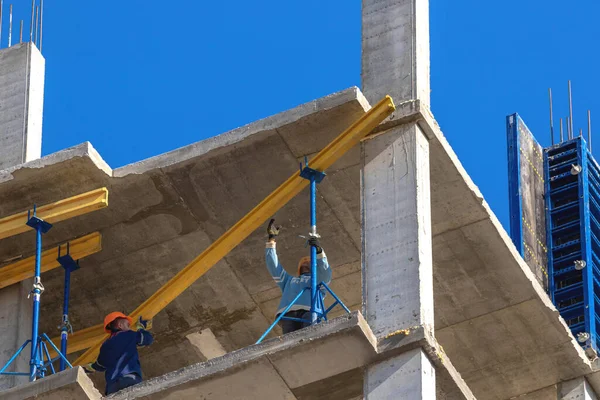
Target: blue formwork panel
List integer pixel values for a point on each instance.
(526, 196)
(572, 213)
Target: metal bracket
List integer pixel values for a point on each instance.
(37, 284)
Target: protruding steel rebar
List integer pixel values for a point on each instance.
(551, 119)
(37, 29)
(580, 132)
(41, 23)
(568, 130)
(21, 32)
(10, 26)
(32, 16)
(571, 111)
(590, 130)
(561, 130)
(1, 8)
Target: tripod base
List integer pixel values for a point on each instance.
(321, 315)
(40, 363)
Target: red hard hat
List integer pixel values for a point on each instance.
(111, 317)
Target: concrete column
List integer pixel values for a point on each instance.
(397, 257)
(409, 376)
(397, 249)
(395, 50)
(22, 70)
(576, 389)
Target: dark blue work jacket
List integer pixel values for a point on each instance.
(119, 356)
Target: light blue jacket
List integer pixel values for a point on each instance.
(292, 285)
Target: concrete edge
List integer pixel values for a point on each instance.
(431, 127)
(404, 340)
(81, 150)
(236, 135)
(239, 358)
(52, 383)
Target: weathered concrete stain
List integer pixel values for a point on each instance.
(171, 204)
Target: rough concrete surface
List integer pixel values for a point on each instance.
(70, 384)
(21, 104)
(322, 361)
(492, 317)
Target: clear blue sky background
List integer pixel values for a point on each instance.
(139, 78)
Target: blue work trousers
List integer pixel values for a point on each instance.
(123, 382)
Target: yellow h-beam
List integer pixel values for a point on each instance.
(24, 269)
(55, 212)
(249, 223)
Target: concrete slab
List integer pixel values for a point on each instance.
(322, 361)
(70, 384)
(163, 212)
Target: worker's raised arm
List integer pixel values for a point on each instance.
(323, 270)
(280, 276)
(144, 338)
(275, 269)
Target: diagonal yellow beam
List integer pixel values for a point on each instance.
(24, 269)
(253, 220)
(55, 212)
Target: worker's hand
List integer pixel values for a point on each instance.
(88, 368)
(272, 230)
(314, 242)
(143, 324)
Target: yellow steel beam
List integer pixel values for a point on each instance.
(253, 220)
(55, 212)
(24, 269)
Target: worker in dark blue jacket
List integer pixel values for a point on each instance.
(118, 358)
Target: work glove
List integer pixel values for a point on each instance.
(272, 230)
(88, 368)
(314, 242)
(143, 324)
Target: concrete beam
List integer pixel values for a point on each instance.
(577, 389)
(22, 69)
(395, 49)
(70, 384)
(324, 358)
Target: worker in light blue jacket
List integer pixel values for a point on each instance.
(292, 285)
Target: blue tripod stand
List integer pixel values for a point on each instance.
(40, 358)
(318, 312)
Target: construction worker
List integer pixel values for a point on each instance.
(118, 358)
(292, 285)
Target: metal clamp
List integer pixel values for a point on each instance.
(66, 324)
(37, 284)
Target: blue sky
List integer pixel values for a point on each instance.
(141, 78)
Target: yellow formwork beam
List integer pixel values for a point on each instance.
(55, 212)
(24, 269)
(253, 220)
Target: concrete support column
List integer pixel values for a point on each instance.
(397, 249)
(395, 50)
(409, 376)
(576, 389)
(22, 69)
(397, 257)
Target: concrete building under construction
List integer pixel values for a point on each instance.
(443, 304)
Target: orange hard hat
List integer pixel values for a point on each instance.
(111, 317)
(302, 261)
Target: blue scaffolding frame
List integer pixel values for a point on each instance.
(572, 193)
(40, 359)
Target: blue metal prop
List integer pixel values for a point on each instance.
(317, 307)
(39, 348)
(69, 266)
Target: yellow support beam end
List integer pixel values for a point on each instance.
(56, 212)
(24, 269)
(254, 219)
